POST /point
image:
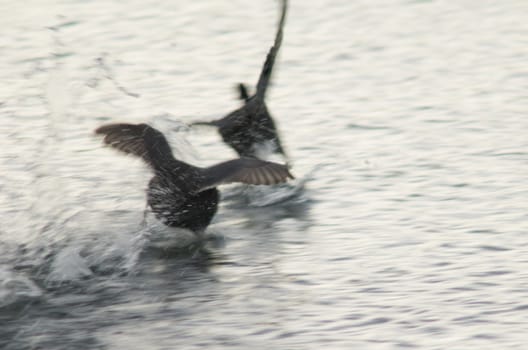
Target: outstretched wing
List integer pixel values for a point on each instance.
(265, 75)
(245, 170)
(140, 140)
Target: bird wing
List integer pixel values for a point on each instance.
(251, 171)
(267, 69)
(140, 140)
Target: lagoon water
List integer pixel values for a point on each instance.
(406, 227)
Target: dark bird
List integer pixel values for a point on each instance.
(180, 194)
(251, 125)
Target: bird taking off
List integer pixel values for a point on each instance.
(180, 194)
(251, 126)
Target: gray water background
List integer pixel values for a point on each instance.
(406, 227)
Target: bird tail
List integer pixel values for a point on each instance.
(243, 93)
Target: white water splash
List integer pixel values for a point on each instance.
(169, 237)
(265, 150)
(124, 249)
(262, 196)
(68, 265)
(174, 130)
(16, 287)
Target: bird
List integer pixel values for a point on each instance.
(251, 126)
(179, 194)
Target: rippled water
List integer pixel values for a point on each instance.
(406, 227)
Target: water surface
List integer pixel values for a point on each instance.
(406, 228)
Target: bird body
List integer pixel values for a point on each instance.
(175, 207)
(248, 128)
